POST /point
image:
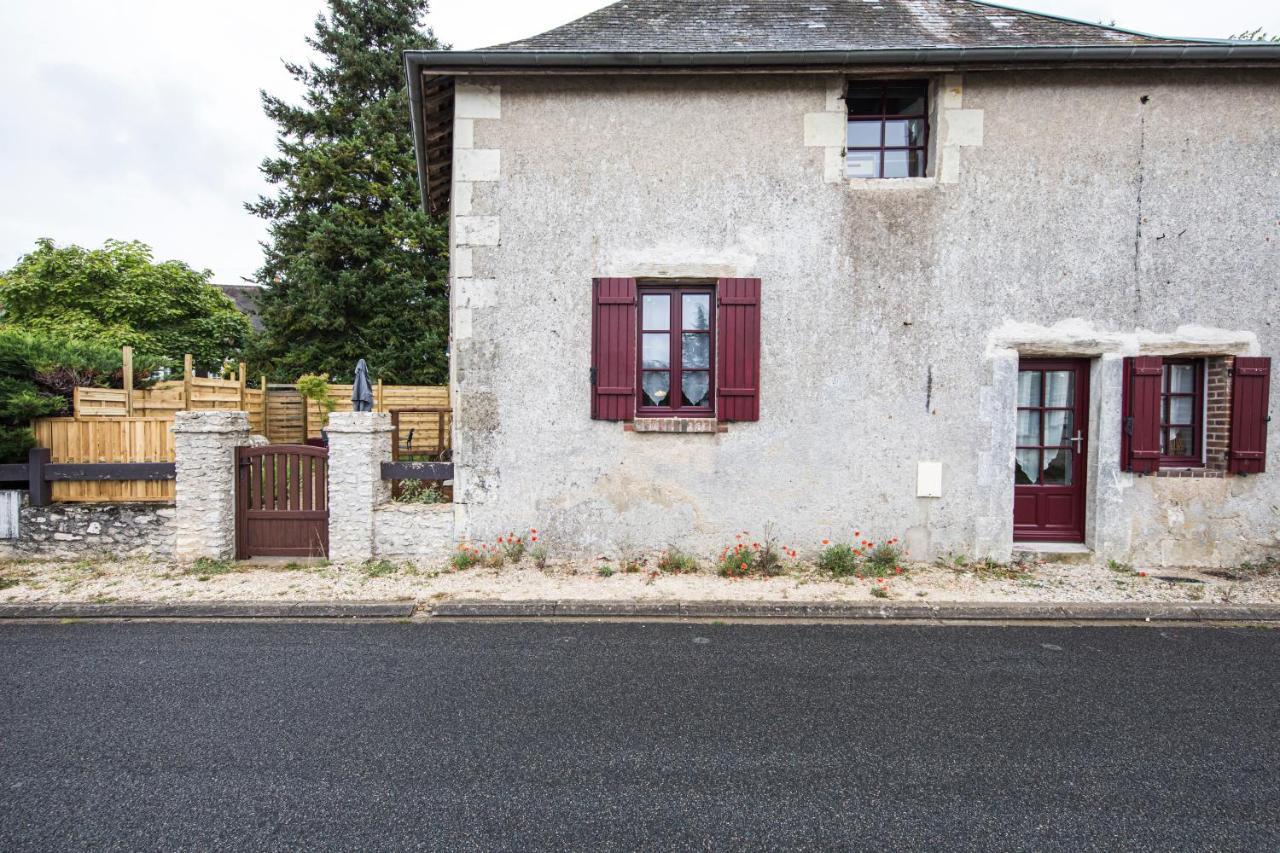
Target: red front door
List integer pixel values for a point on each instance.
(1049, 469)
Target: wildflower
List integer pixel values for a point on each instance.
(857, 533)
(743, 566)
(897, 570)
(535, 538)
(1142, 574)
(532, 530)
(826, 541)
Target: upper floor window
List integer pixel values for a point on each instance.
(677, 335)
(888, 130)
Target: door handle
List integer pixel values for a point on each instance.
(1077, 439)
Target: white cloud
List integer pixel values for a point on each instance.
(140, 118)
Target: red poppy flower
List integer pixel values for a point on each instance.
(826, 541)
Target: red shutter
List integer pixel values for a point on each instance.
(1250, 396)
(613, 349)
(738, 350)
(1140, 441)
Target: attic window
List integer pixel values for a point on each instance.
(888, 129)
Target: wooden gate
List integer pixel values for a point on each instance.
(282, 503)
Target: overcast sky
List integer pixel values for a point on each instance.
(140, 119)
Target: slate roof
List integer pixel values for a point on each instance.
(712, 26)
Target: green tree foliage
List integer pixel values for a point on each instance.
(38, 374)
(356, 269)
(119, 295)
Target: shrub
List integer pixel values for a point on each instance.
(883, 560)
(839, 560)
(207, 566)
(421, 492)
(605, 571)
(879, 592)
(539, 553)
(747, 557)
(675, 562)
(465, 558)
(378, 568)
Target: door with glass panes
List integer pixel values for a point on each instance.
(1052, 440)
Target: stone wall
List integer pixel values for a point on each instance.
(73, 531)
(413, 531)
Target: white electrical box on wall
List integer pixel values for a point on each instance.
(929, 480)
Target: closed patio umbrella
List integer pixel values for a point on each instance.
(361, 390)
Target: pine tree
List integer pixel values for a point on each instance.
(356, 269)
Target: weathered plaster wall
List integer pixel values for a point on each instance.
(1120, 201)
(69, 531)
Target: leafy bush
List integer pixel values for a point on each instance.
(38, 375)
(838, 560)
(120, 295)
(377, 568)
(747, 557)
(466, 557)
(421, 492)
(883, 560)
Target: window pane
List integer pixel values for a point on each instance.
(695, 387)
(1181, 442)
(1059, 387)
(1181, 410)
(863, 134)
(1057, 428)
(1057, 468)
(657, 310)
(902, 101)
(695, 312)
(863, 102)
(897, 164)
(1182, 378)
(656, 385)
(862, 164)
(1028, 427)
(1029, 388)
(697, 350)
(904, 133)
(657, 351)
(1027, 471)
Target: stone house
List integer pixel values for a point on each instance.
(984, 279)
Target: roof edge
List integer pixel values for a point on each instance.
(517, 59)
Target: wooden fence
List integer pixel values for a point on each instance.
(275, 411)
(108, 439)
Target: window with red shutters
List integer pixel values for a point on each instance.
(1250, 399)
(675, 349)
(738, 350)
(676, 359)
(1140, 439)
(613, 349)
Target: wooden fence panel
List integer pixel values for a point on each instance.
(101, 439)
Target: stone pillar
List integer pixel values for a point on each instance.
(204, 445)
(359, 442)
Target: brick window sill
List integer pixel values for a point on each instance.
(1191, 473)
(683, 426)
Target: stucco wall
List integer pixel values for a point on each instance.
(883, 306)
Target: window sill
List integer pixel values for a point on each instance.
(892, 183)
(1200, 473)
(701, 426)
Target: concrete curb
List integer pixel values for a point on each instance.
(214, 610)
(940, 611)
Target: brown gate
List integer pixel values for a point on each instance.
(282, 504)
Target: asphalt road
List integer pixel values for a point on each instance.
(633, 736)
